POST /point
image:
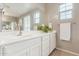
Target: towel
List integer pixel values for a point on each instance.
(65, 31)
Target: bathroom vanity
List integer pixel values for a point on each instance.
(28, 44)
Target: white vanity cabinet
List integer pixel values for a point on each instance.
(16, 49)
(23, 48)
(48, 43)
(36, 45)
(45, 45)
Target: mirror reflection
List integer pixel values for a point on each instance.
(16, 17)
(9, 23)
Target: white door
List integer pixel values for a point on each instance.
(45, 46)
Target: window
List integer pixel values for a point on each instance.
(65, 11)
(37, 17)
(26, 22)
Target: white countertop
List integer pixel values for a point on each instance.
(11, 37)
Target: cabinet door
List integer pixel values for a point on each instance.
(45, 46)
(35, 48)
(52, 41)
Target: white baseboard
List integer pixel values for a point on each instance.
(68, 51)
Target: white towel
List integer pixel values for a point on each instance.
(65, 31)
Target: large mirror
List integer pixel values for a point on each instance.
(17, 17)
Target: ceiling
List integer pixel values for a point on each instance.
(18, 9)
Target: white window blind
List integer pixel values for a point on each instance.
(65, 11)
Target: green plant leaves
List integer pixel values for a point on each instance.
(44, 28)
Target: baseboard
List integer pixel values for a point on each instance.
(52, 51)
(68, 51)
